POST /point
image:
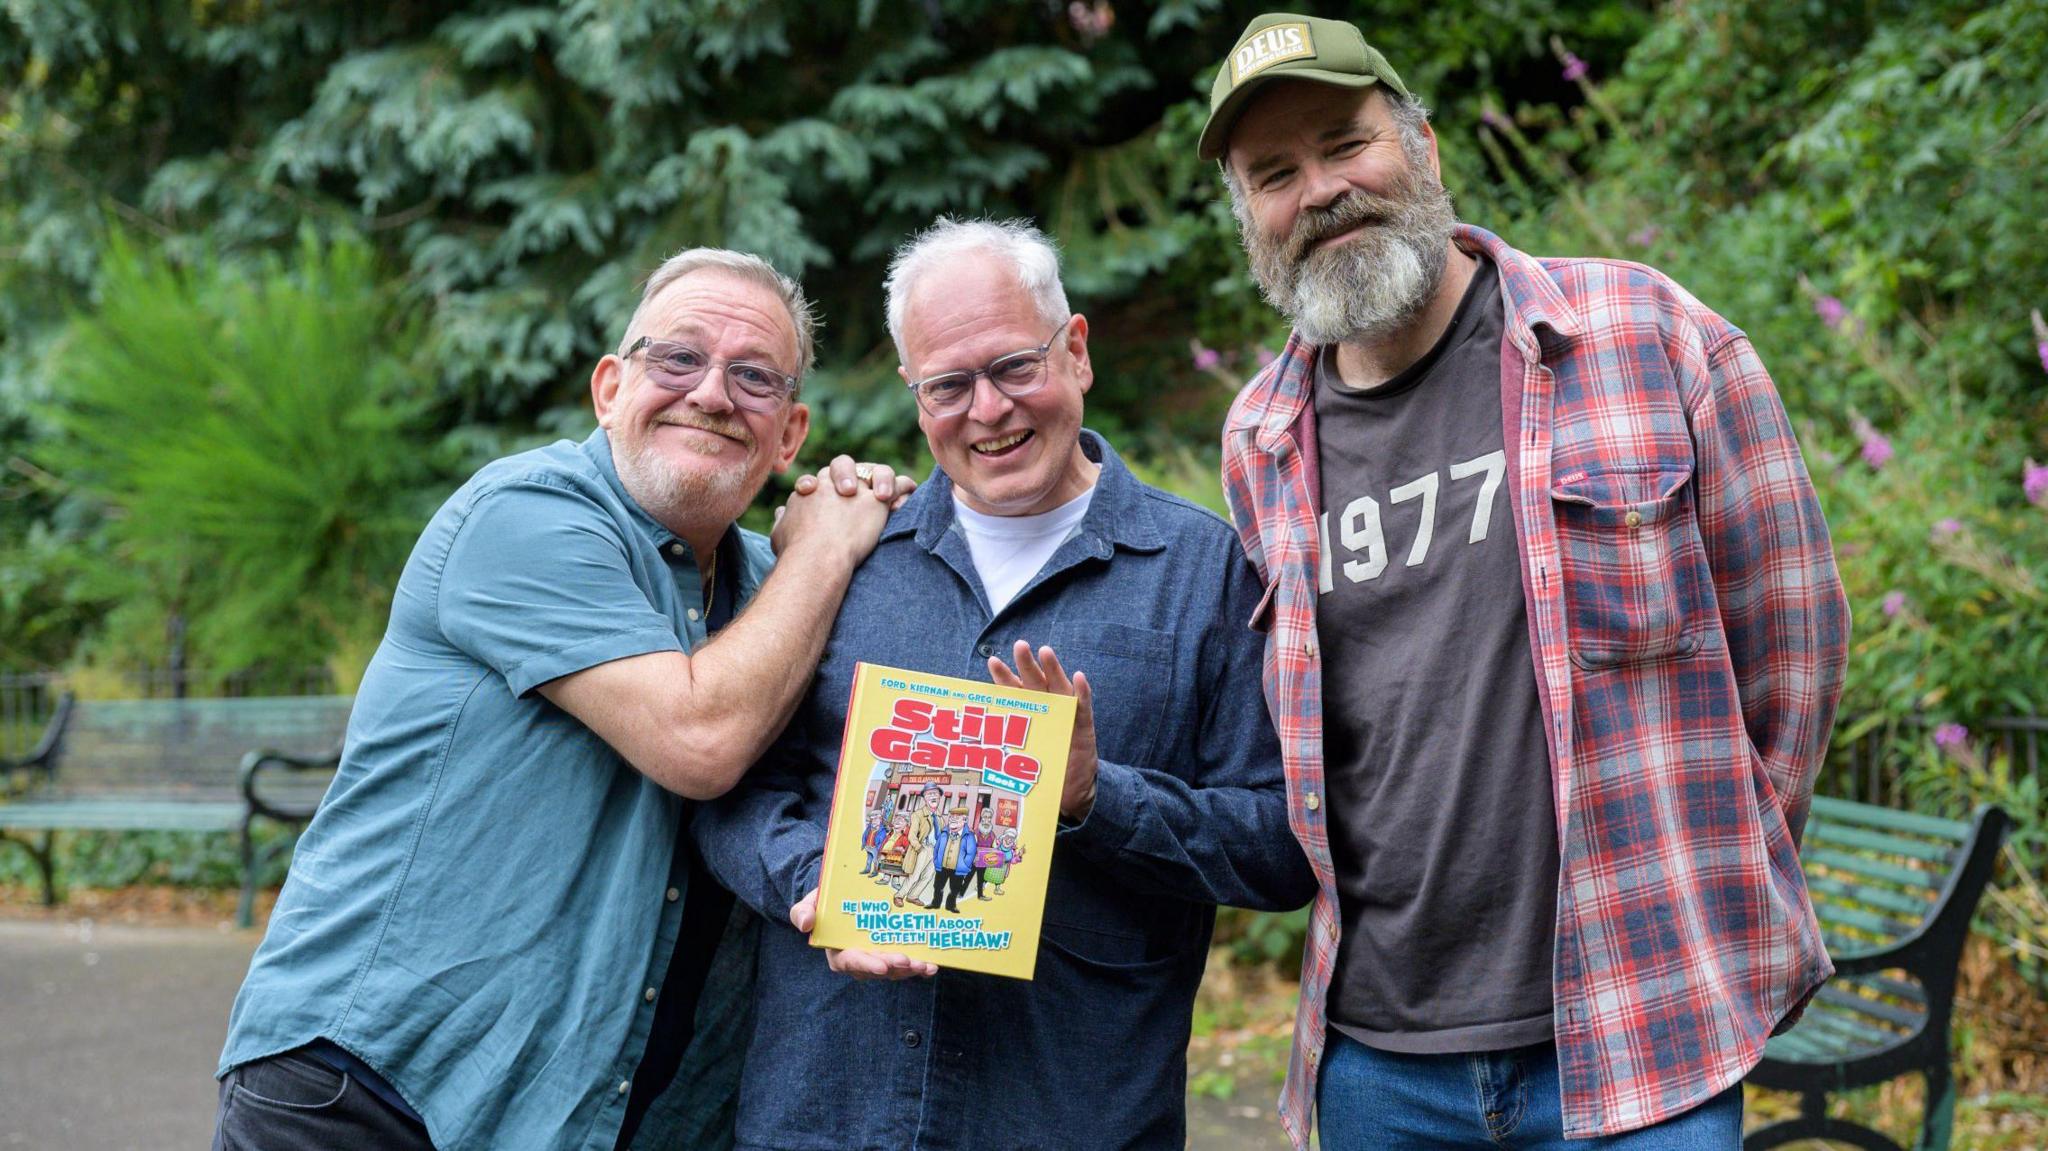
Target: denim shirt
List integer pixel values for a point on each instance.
(1149, 597)
(489, 897)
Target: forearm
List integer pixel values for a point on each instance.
(742, 687)
(695, 723)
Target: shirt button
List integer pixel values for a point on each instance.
(676, 549)
(625, 1085)
(1332, 928)
(1311, 801)
(985, 650)
(1633, 519)
(674, 895)
(1308, 648)
(693, 615)
(648, 995)
(912, 1039)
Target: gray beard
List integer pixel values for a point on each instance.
(669, 496)
(1367, 288)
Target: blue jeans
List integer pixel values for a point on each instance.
(1370, 1100)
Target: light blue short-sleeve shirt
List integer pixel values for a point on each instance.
(485, 906)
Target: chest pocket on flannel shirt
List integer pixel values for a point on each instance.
(1634, 566)
(1130, 669)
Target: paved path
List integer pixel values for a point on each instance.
(108, 1036)
(111, 1032)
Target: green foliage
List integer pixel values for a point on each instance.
(518, 168)
(249, 436)
(121, 858)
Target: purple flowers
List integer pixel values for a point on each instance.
(1950, 736)
(1091, 21)
(1830, 310)
(1644, 236)
(1894, 603)
(2043, 349)
(2033, 476)
(1267, 356)
(1947, 527)
(1877, 451)
(1574, 68)
(1206, 359)
(1493, 119)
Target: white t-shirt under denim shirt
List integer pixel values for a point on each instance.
(1009, 550)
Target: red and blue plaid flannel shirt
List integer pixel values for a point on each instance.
(1689, 634)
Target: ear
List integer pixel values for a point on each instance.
(795, 426)
(605, 381)
(1435, 165)
(1077, 344)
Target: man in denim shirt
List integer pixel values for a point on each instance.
(1030, 532)
(494, 934)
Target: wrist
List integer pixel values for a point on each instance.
(829, 555)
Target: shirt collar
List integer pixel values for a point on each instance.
(1118, 514)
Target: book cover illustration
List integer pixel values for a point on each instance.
(943, 817)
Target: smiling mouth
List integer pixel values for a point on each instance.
(1345, 234)
(720, 433)
(1002, 446)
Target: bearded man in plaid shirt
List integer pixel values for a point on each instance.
(1555, 640)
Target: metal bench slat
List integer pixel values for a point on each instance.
(1834, 810)
(1848, 1036)
(1837, 835)
(1868, 868)
(1839, 915)
(1896, 988)
(1848, 1000)
(1804, 1046)
(120, 815)
(1879, 897)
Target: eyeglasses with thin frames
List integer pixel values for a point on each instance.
(1015, 375)
(681, 368)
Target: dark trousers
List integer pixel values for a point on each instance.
(952, 885)
(293, 1101)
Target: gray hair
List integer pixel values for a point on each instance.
(747, 267)
(1410, 116)
(1031, 255)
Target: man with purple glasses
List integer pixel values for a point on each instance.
(495, 933)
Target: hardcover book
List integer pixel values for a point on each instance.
(942, 823)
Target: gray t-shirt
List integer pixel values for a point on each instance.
(1442, 820)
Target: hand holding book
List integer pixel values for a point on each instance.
(1042, 672)
(853, 961)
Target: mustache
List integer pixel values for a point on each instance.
(728, 426)
(1314, 225)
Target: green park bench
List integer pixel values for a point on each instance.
(206, 765)
(1895, 892)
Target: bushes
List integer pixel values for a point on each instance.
(246, 440)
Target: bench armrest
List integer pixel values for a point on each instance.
(263, 759)
(41, 758)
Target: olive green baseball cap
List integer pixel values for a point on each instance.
(1284, 46)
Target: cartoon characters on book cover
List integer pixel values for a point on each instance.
(943, 815)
